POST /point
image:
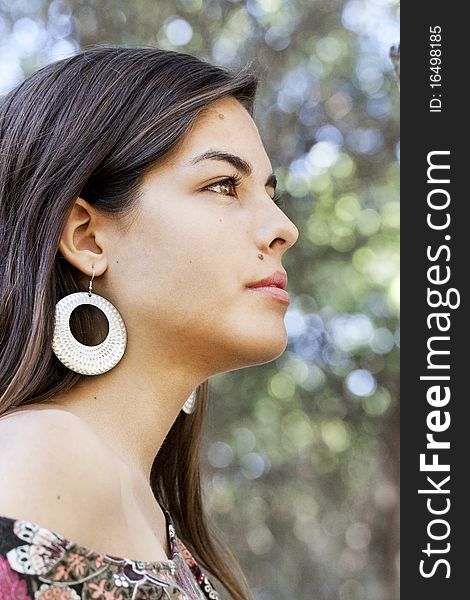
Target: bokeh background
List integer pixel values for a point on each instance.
(300, 455)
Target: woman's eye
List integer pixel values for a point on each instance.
(229, 183)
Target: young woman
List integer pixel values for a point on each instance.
(137, 215)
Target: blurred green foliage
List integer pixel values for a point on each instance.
(301, 455)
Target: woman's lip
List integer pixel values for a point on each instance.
(274, 292)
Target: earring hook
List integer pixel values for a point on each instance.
(91, 280)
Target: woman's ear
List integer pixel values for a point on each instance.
(82, 239)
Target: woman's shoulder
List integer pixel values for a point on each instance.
(42, 426)
(48, 436)
(52, 469)
(51, 492)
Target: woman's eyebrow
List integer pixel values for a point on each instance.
(237, 161)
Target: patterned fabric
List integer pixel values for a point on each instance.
(38, 564)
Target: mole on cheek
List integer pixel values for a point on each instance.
(221, 116)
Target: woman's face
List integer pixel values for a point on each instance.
(178, 276)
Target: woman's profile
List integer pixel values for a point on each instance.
(141, 253)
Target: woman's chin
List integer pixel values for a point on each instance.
(248, 341)
(266, 346)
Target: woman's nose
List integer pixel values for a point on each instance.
(284, 232)
(293, 232)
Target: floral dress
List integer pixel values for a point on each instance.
(38, 564)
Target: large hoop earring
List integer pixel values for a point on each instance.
(88, 360)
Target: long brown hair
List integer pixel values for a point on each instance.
(93, 125)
